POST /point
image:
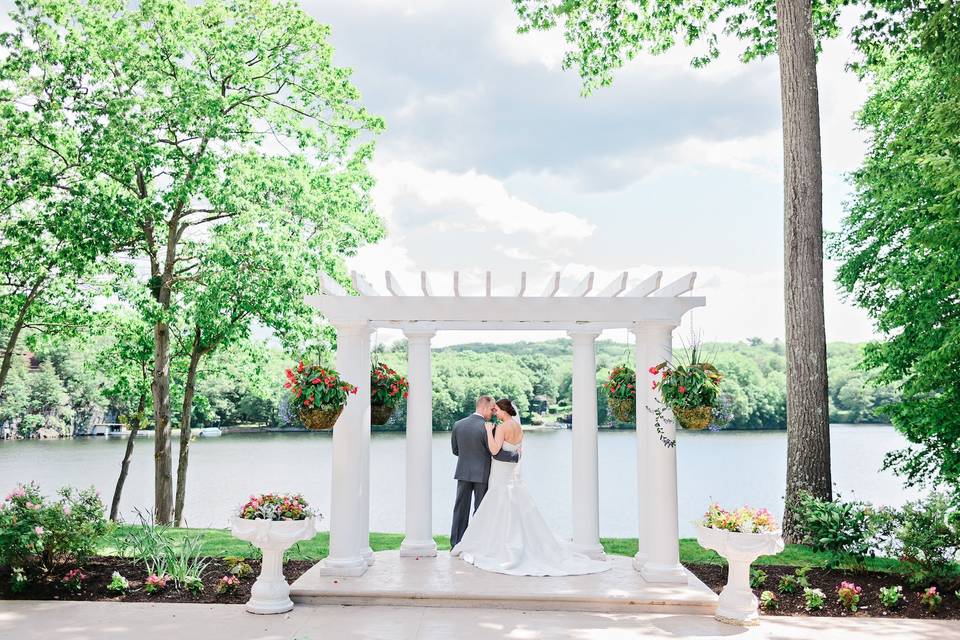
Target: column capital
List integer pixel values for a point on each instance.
(357, 328)
(585, 332)
(653, 327)
(420, 333)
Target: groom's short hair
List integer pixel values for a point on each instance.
(483, 401)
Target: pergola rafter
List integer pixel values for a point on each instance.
(648, 309)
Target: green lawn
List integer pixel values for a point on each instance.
(219, 542)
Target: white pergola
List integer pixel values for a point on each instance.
(652, 312)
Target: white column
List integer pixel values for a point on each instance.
(419, 497)
(586, 481)
(347, 485)
(363, 398)
(643, 359)
(659, 496)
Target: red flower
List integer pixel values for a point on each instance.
(287, 385)
(354, 390)
(300, 367)
(406, 394)
(653, 385)
(682, 389)
(315, 381)
(653, 371)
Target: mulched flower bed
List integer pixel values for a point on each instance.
(793, 604)
(99, 571)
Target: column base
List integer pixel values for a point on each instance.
(639, 559)
(592, 551)
(664, 573)
(367, 555)
(344, 568)
(418, 549)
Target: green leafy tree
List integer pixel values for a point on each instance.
(605, 34)
(178, 105)
(900, 242)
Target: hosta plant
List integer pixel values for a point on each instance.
(891, 597)
(814, 599)
(768, 601)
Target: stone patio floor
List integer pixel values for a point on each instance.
(47, 620)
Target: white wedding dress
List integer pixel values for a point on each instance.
(508, 535)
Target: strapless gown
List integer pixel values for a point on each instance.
(508, 535)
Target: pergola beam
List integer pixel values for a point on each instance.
(583, 287)
(678, 287)
(645, 288)
(393, 286)
(553, 285)
(617, 286)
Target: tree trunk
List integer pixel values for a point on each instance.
(808, 419)
(196, 353)
(127, 455)
(11, 347)
(163, 464)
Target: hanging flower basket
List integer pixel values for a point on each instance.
(623, 409)
(318, 393)
(694, 418)
(387, 387)
(622, 393)
(380, 414)
(320, 419)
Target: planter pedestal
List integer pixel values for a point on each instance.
(737, 603)
(271, 593)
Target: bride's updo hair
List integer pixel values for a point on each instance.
(506, 405)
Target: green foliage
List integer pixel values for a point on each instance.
(622, 382)
(788, 584)
(182, 558)
(603, 35)
(931, 599)
(38, 533)
(849, 531)
(387, 387)
(317, 387)
(758, 578)
(927, 539)
(891, 597)
(768, 601)
(900, 242)
(118, 584)
(691, 383)
(813, 599)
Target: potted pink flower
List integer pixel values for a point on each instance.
(740, 536)
(273, 522)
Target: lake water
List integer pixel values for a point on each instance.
(733, 467)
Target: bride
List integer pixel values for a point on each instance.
(507, 534)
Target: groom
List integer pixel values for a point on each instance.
(469, 443)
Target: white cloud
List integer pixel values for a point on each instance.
(480, 196)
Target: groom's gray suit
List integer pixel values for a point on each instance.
(469, 441)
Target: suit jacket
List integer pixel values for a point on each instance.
(469, 442)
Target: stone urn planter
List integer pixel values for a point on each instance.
(271, 593)
(737, 603)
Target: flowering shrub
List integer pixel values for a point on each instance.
(848, 595)
(74, 580)
(155, 583)
(621, 384)
(849, 531)
(39, 533)
(931, 599)
(768, 601)
(758, 578)
(118, 584)
(891, 597)
(227, 584)
(386, 386)
(317, 387)
(690, 384)
(742, 520)
(276, 506)
(814, 599)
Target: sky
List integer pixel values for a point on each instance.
(492, 160)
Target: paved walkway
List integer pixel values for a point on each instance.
(112, 620)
